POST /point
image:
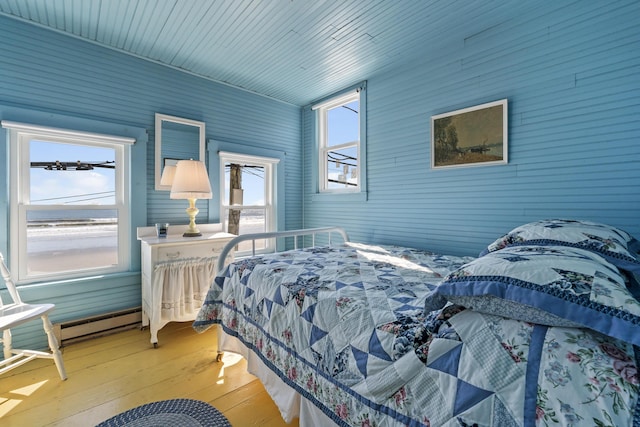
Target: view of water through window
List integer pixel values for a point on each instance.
(71, 222)
(71, 240)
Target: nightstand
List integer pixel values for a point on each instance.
(177, 272)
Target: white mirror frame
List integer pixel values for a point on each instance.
(158, 158)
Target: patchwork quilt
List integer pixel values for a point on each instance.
(346, 327)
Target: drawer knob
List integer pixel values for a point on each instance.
(173, 255)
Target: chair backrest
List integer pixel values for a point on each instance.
(11, 287)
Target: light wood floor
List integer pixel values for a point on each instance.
(111, 374)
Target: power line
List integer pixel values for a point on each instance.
(78, 195)
(331, 156)
(77, 165)
(349, 108)
(84, 200)
(249, 169)
(342, 182)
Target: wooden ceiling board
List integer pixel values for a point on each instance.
(296, 51)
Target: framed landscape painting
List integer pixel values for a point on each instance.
(471, 136)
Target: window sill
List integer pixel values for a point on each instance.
(339, 197)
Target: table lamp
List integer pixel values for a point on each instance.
(191, 182)
(168, 173)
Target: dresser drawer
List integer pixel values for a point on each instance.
(195, 250)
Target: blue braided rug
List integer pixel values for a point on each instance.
(169, 413)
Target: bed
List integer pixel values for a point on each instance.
(542, 328)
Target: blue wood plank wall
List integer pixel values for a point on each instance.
(571, 77)
(54, 75)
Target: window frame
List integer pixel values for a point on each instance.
(321, 109)
(270, 165)
(19, 136)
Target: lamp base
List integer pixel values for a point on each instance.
(192, 211)
(192, 234)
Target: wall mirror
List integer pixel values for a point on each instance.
(176, 139)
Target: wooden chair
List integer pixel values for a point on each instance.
(16, 313)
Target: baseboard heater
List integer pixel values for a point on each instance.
(96, 326)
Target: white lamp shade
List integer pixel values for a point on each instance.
(191, 181)
(168, 173)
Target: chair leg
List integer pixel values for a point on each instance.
(6, 343)
(53, 345)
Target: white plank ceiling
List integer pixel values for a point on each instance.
(296, 51)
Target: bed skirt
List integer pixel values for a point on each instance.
(290, 403)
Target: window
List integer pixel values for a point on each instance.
(248, 197)
(68, 192)
(341, 143)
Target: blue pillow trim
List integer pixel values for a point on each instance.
(533, 373)
(607, 320)
(619, 260)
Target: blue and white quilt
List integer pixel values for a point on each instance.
(346, 327)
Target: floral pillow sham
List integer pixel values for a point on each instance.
(549, 285)
(615, 245)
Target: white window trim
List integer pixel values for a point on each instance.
(270, 206)
(19, 136)
(322, 191)
(332, 102)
